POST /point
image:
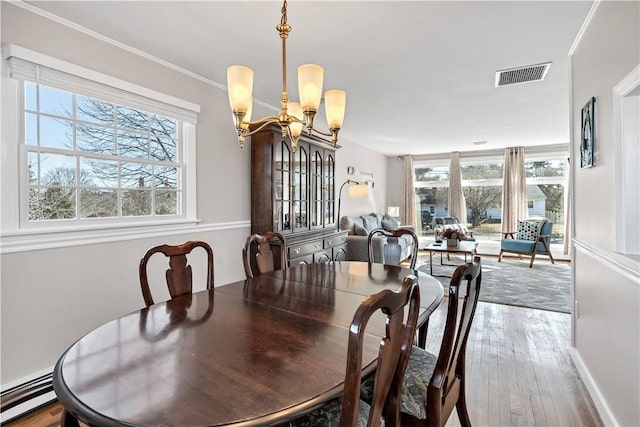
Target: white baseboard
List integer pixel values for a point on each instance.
(598, 399)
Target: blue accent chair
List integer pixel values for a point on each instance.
(526, 247)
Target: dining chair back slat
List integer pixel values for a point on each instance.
(258, 254)
(179, 276)
(393, 356)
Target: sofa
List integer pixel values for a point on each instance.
(359, 228)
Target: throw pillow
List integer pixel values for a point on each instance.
(369, 222)
(360, 230)
(390, 223)
(527, 230)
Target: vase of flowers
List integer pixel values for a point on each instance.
(452, 236)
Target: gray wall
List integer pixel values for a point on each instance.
(50, 298)
(606, 284)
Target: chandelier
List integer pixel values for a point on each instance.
(293, 115)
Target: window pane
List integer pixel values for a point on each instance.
(163, 149)
(32, 159)
(30, 96)
(31, 129)
(56, 169)
(94, 110)
(56, 133)
(166, 203)
(433, 201)
(544, 168)
(130, 118)
(484, 171)
(98, 203)
(95, 139)
(52, 203)
(439, 173)
(163, 126)
(166, 177)
(136, 202)
(484, 204)
(135, 175)
(133, 144)
(98, 172)
(548, 202)
(56, 101)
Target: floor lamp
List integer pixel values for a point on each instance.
(356, 190)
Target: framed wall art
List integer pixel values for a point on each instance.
(587, 134)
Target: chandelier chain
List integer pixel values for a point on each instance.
(283, 20)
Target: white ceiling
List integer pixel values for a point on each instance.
(419, 75)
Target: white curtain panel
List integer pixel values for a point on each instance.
(457, 203)
(408, 211)
(514, 189)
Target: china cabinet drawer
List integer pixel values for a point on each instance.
(304, 249)
(335, 240)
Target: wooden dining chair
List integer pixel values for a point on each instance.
(395, 346)
(434, 385)
(392, 249)
(179, 274)
(258, 257)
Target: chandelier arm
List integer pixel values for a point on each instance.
(320, 132)
(266, 121)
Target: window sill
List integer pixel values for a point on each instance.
(37, 239)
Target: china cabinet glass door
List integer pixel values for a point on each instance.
(281, 211)
(300, 201)
(329, 189)
(317, 187)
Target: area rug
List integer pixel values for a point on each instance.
(546, 286)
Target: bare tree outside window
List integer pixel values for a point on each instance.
(126, 158)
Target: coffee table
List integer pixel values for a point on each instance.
(464, 247)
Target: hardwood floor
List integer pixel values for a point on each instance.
(518, 365)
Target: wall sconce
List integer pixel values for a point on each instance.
(355, 171)
(356, 190)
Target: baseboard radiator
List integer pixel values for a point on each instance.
(27, 396)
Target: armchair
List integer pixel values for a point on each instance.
(532, 238)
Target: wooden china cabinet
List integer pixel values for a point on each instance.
(294, 193)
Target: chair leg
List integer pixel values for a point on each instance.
(461, 408)
(461, 403)
(548, 249)
(500, 256)
(533, 257)
(422, 335)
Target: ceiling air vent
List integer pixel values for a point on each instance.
(529, 73)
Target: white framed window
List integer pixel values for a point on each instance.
(91, 152)
(84, 158)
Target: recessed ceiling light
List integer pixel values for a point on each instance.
(479, 142)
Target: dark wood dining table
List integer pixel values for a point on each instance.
(256, 352)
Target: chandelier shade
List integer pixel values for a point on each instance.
(293, 116)
(335, 103)
(295, 109)
(310, 79)
(240, 87)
